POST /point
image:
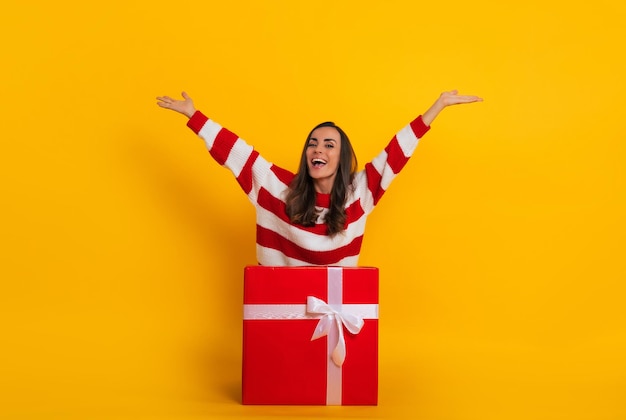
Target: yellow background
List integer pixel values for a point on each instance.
(500, 245)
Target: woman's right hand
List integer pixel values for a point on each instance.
(185, 106)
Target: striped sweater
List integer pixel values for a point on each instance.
(282, 243)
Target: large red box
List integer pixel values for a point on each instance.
(282, 363)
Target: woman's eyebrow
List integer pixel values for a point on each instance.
(328, 139)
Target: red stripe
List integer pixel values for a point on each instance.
(354, 212)
(395, 156)
(322, 200)
(272, 204)
(270, 239)
(197, 121)
(223, 144)
(373, 182)
(283, 175)
(276, 206)
(419, 128)
(245, 177)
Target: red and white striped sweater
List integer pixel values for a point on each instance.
(282, 243)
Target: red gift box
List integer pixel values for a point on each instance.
(310, 335)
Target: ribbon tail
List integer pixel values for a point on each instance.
(339, 352)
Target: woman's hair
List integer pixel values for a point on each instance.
(300, 200)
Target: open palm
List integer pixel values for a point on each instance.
(184, 106)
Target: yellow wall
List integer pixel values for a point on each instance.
(500, 246)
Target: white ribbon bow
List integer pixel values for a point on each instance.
(352, 322)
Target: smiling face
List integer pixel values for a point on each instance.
(322, 155)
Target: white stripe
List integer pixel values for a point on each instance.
(362, 191)
(273, 257)
(275, 186)
(306, 239)
(388, 176)
(381, 164)
(209, 132)
(380, 161)
(262, 176)
(407, 140)
(238, 157)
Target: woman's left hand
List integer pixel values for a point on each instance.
(447, 99)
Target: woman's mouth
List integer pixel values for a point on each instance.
(318, 163)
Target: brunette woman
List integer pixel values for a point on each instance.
(317, 215)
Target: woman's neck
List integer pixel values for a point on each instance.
(323, 186)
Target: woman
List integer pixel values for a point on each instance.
(316, 216)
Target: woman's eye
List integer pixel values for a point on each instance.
(329, 145)
(311, 145)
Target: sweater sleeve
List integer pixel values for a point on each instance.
(385, 167)
(249, 168)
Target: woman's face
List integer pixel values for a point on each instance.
(322, 154)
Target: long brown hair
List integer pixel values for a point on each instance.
(300, 200)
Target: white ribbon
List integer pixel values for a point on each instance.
(330, 317)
